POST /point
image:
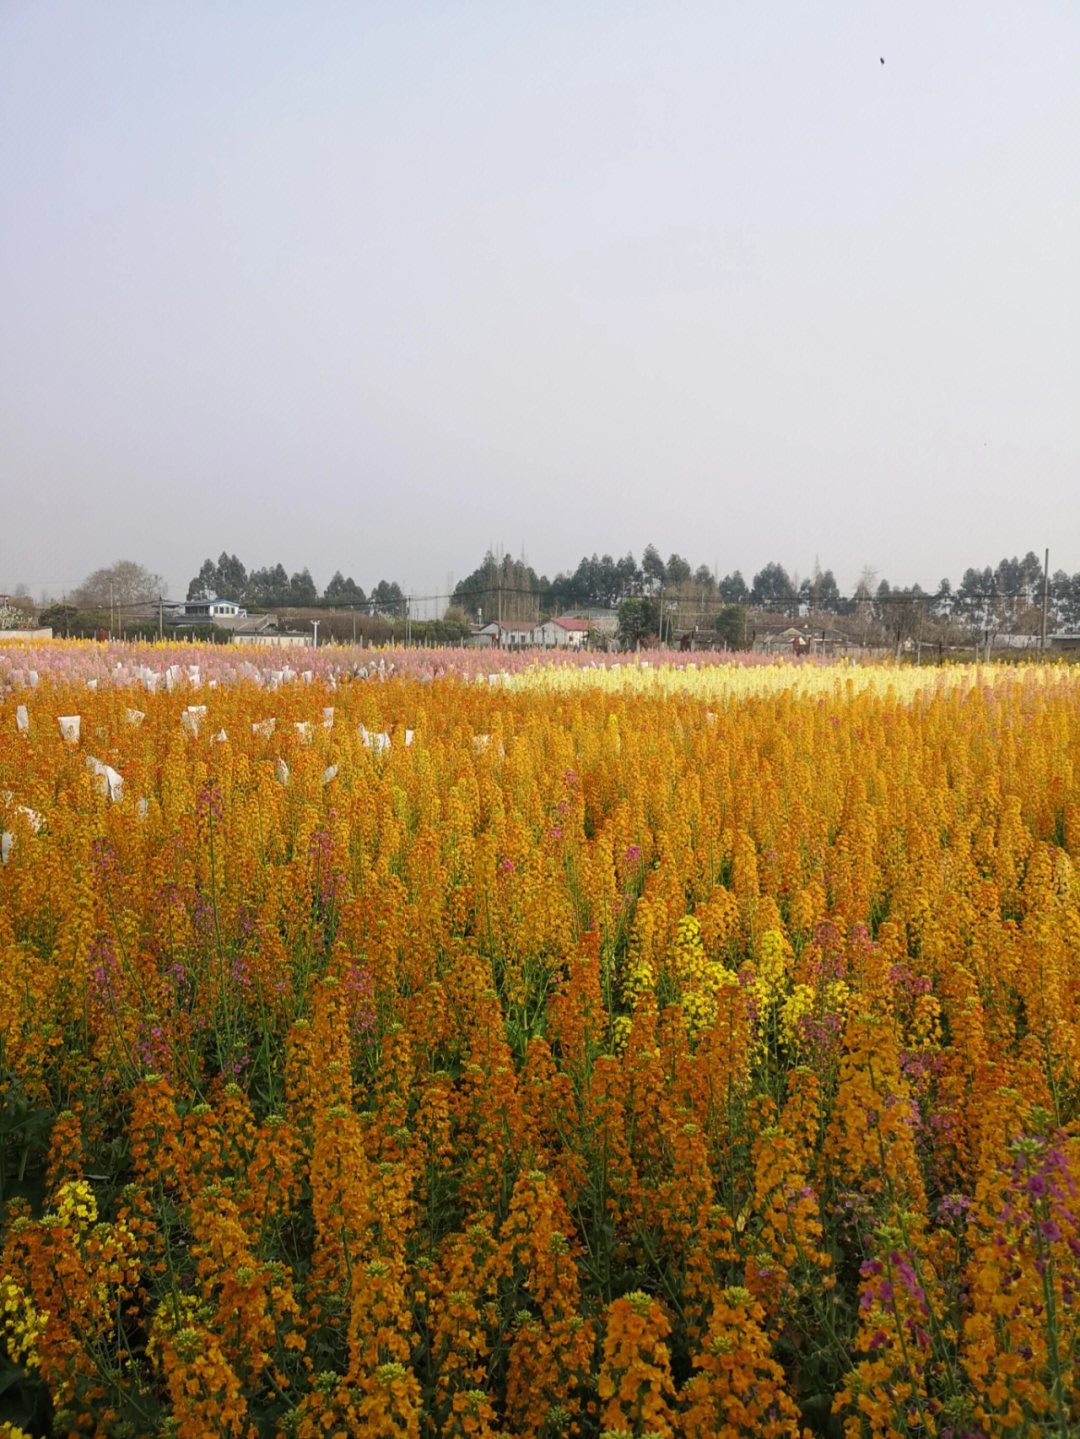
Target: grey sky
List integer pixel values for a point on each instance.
(375, 285)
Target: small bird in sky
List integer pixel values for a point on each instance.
(882, 58)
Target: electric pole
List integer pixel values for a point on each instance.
(1046, 597)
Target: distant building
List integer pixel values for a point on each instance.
(213, 610)
(486, 637)
(829, 641)
(789, 640)
(244, 624)
(602, 621)
(199, 617)
(563, 634)
(518, 636)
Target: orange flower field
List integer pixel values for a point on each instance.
(635, 1051)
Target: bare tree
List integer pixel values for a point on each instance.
(124, 583)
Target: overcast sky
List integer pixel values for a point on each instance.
(373, 286)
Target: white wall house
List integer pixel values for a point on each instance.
(562, 634)
(518, 636)
(212, 610)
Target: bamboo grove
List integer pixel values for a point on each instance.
(693, 1053)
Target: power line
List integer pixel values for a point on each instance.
(670, 594)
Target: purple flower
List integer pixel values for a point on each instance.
(202, 915)
(208, 802)
(953, 1208)
(360, 990)
(103, 858)
(104, 977)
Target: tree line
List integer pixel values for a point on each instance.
(1009, 592)
(1003, 597)
(665, 597)
(273, 588)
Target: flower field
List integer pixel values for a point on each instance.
(628, 1050)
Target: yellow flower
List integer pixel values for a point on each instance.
(76, 1202)
(798, 1003)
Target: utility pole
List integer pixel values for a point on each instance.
(160, 619)
(315, 626)
(1046, 597)
(110, 609)
(660, 636)
(408, 623)
(918, 637)
(354, 624)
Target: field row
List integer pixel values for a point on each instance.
(610, 1051)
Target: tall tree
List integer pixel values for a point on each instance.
(772, 589)
(583, 583)
(628, 577)
(268, 587)
(652, 568)
(733, 590)
(975, 597)
(504, 587)
(820, 593)
(302, 589)
(1065, 598)
(731, 627)
(942, 601)
(677, 570)
(388, 599)
(606, 582)
(638, 620)
(341, 591)
(226, 580)
(204, 585)
(231, 578)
